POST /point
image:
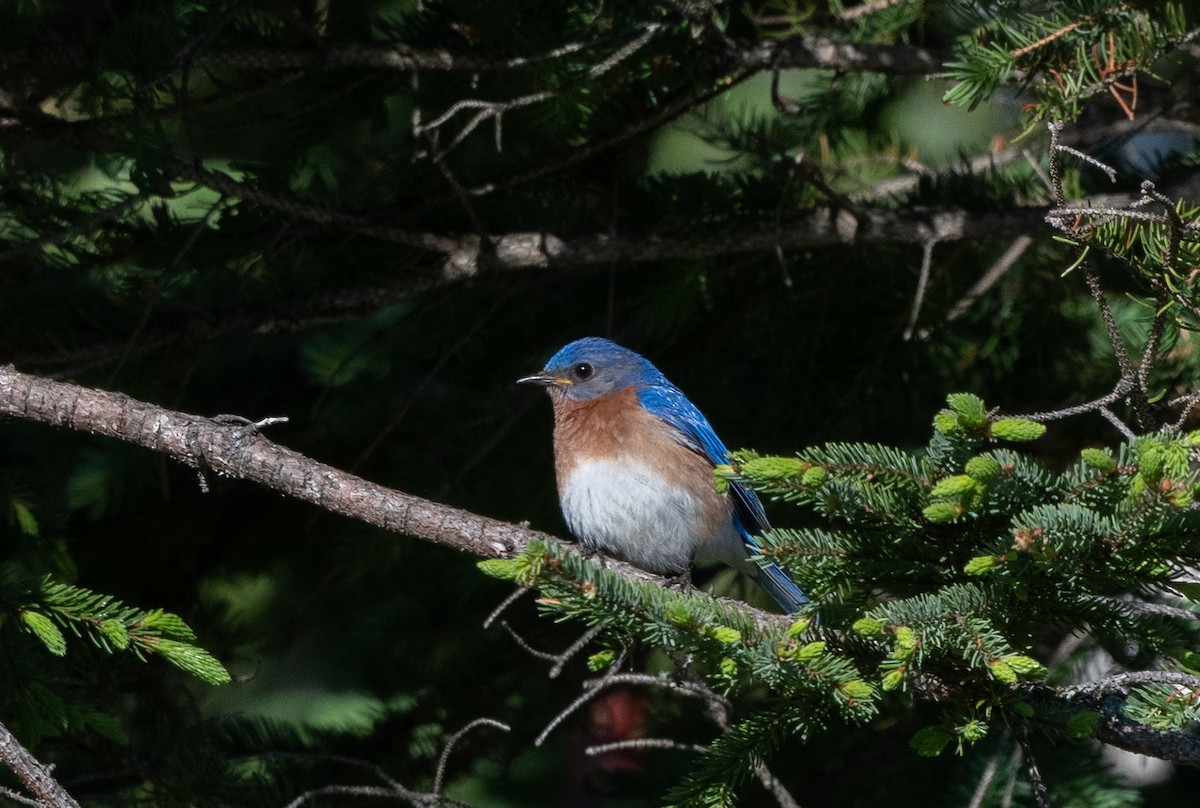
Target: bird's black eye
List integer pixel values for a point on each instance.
(583, 371)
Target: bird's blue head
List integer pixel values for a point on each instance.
(592, 367)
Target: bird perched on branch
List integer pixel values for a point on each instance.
(634, 461)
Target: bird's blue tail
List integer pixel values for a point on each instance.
(781, 587)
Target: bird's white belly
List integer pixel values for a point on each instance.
(636, 513)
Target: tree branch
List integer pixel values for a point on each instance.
(465, 255)
(810, 51)
(33, 773)
(241, 452)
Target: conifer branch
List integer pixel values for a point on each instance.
(240, 452)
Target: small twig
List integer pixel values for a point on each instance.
(524, 645)
(1089, 274)
(9, 794)
(989, 279)
(1190, 402)
(1124, 681)
(985, 781)
(495, 110)
(1149, 351)
(594, 687)
(1100, 216)
(662, 116)
(1096, 405)
(363, 765)
(227, 419)
(487, 109)
(573, 649)
(517, 594)
(355, 791)
(775, 788)
(590, 692)
(439, 777)
(1056, 185)
(643, 743)
(625, 51)
(1040, 792)
(922, 285)
(1120, 425)
(1108, 170)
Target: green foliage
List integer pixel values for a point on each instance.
(1068, 51)
(48, 607)
(955, 604)
(1163, 707)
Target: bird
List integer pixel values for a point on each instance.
(634, 461)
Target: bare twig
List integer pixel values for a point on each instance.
(989, 279)
(775, 788)
(1118, 424)
(517, 594)
(922, 284)
(1040, 793)
(1189, 404)
(643, 743)
(495, 110)
(1096, 405)
(9, 794)
(1124, 681)
(985, 782)
(439, 778)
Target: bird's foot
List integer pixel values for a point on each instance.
(593, 554)
(682, 581)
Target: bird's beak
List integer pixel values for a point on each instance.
(544, 379)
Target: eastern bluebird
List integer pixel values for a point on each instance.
(634, 461)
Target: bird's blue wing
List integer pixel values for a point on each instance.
(668, 403)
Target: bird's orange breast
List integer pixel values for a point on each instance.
(617, 427)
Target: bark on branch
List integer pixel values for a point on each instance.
(466, 254)
(831, 54)
(241, 452)
(33, 773)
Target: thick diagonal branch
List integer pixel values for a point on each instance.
(242, 453)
